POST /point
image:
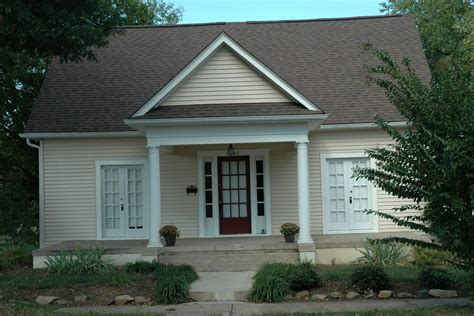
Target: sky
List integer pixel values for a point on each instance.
(200, 11)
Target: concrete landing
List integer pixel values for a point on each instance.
(221, 286)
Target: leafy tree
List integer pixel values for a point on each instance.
(445, 27)
(31, 34)
(431, 161)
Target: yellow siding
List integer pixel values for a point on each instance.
(224, 78)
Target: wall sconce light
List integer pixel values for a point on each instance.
(191, 189)
(231, 151)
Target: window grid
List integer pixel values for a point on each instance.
(135, 198)
(260, 188)
(208, 188)
(112, 198)
(234, 189)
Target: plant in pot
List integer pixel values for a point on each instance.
(169, 233)
(289, 230)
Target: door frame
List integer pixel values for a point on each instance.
(98, 196)
(211, 155)
(324, 156)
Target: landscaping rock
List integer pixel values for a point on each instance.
(335, 295)
(80, 299)
(319, 297)
(106, 301)
(302, 296)
(288, 297)
(423, 294)
(45, 300)
(142, 300)
(385, 294)
(123, 299)
(352, 295)
(404, 295)
(442, 293)
(62, 302)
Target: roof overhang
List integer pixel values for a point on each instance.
(58, 135)
(219, 41)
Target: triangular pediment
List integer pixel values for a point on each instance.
(225, 73)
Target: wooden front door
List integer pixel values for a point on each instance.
(234, 195)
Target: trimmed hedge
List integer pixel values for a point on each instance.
(369, 277)
(435, 278)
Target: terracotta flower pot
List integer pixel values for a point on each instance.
(289, 238)
(170, 241)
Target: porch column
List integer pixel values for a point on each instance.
(155, 196)
(305, 242)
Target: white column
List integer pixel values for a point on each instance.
(304, 220)
(155, 196)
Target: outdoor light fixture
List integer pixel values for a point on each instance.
(231, 151)
(191, 189)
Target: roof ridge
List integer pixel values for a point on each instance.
(367, 17)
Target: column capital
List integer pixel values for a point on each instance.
(302, 142)
(153, 149)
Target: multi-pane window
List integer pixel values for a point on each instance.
(337, 202)
(208, 188)
(135, 198)
(112, 198)
(260, 188)
(234, 188)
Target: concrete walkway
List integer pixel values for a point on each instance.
(221, 286)
(241, 308)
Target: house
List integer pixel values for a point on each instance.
(226, 130)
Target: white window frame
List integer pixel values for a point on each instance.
(260, 154)
(98, 196)
(324, 192)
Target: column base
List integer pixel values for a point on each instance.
(154, 244)
(307, 252)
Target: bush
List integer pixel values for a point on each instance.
(471, 282)
(171, 289)
(144, 267)
(380, 253)
(303, 276)
(268, 288)
(435, 278)
(11, 256)
(366, 278)
(78, 260)
(185, 271)
(431, 257)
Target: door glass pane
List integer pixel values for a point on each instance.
(134, 198)
(243, 210)
(360, 193)
(337, 204)
(235, 210)
(111, 198)
(226, 210)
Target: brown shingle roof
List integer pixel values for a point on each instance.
(320, 58)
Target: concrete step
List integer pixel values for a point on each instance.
(221, 286)
(228, 261)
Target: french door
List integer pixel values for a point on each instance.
(347, 197)
(123, 212)
(234, 195)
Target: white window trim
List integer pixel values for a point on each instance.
(220, 40)
(212, 155)
(98, 195)
(324, 192)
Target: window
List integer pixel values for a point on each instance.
(260, 188)
(208, 188)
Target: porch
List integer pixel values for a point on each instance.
(222, 254)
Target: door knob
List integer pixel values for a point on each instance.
(350, 199)
(121, 206)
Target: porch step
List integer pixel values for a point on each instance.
(228, 260)
(221, 286)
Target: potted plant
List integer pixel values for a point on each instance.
(169, 233)
(289, 230)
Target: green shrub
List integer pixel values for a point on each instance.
(303, 276)
(366, 278)
(78, 260)
(435, 278)
(268, 288)
(121, 279)
(144, 267)
(377, 252)
(471, 282)
(431, 257)
(173, 282)
(11, 256)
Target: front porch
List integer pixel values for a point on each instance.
(222, 254)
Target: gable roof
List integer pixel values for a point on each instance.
(321, 59)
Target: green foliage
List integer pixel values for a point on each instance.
(268, 288)
(430, 161)
(377, 252)
(173, 283)
(12, 256)
(435, 278)
(366, 278)
(77, 261)
(303, 276)
(432, 257)
(121, 279)
(471, 283)
(145, 267)
(32, 33)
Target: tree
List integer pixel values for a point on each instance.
(445, 27)
(431, 161)
(32, 33)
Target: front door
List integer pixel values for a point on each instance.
(348, 197)
(122, 201)
(234, 195)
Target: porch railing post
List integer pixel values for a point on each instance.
(155, 196)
